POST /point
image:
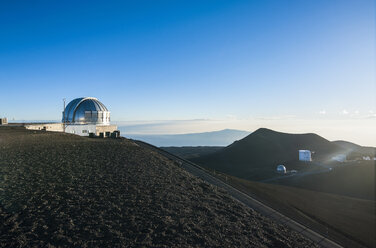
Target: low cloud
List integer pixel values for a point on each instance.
(281, 117)
(345, 112)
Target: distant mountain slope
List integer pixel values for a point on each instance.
(258, 154)
(216, 138)
(190, 152)
(354, 148)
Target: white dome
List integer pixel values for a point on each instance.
(86, 110)
(281, 169)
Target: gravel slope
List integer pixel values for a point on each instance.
(64, 190)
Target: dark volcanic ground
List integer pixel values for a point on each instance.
(65, 190)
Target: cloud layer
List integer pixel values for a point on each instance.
(358, 130)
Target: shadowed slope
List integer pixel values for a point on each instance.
(258, 154)
(190, 152)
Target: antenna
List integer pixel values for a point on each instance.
(64, 116)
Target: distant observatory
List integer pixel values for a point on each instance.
(305, 155)
(281, 169)
(84, 116)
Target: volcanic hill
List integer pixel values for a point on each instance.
(64, 190)
(354, 150)
(258, 154)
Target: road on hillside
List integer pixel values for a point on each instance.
(245, 199)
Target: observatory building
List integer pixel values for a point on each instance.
(86, 115)
(305, 155)
(86, 110)
(281, 169)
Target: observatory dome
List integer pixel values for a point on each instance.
(86, 110)
(281, 169)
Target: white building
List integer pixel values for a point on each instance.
(3, 121)
(305, 155)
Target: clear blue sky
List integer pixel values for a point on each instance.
(156, 60)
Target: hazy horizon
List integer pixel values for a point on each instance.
(335, 129)
(332, 130)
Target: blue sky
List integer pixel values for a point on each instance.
(182, 60)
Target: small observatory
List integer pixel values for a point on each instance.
(305, 155)
(281, 169)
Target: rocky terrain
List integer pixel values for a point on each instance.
(64, 190)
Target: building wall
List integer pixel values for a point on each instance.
(105, 128)
(82, 130)
(305, 155)
(56, 127)
(78, 129)
(3, 121)
(85, 129)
